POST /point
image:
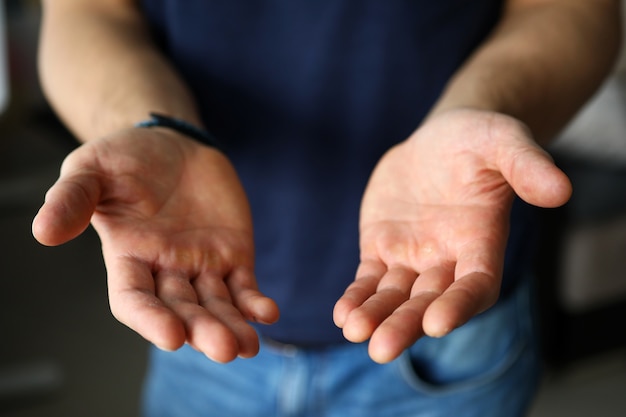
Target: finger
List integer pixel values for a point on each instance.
(393, 289)
(248, 299)
(400, 330)
(205, 330)
(433, 280)
(216, 301)
(532, 174)
(368, 276)
(404, 327)
(466, 297)
(133, 302)
(67, 209)
(476, 286)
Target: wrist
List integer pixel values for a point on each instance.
(181, 126)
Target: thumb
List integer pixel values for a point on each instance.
(67, 209)
(532, 174)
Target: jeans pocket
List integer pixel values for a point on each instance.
(474, 355)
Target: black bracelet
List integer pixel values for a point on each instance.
(181, 126)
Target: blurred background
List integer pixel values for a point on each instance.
(62, 354)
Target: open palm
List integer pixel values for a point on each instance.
(176, 237)
(434, 225)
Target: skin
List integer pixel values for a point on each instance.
(178, 248)
(434, 223)
(434, 217)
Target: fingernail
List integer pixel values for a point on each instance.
(164, 349)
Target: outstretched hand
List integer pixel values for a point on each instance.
(434, 225)
(176, 237)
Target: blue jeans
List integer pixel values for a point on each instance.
(489, 367)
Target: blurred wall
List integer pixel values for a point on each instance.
(592, 150)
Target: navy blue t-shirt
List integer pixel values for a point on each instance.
(306, 95)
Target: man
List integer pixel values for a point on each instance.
(444, 103)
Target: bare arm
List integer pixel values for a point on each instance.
(172, 216)
(543, 61)
(100, 69)
(434, 217)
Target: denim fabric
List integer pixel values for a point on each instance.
(489, 367)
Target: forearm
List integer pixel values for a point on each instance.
(543, 61)
(101, 71)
